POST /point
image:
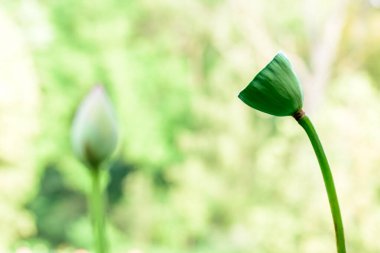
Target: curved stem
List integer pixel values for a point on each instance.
(97, 211)
(305, 122)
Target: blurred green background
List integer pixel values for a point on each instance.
(197, 171)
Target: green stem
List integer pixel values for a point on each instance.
(305, 122)
(97, 210)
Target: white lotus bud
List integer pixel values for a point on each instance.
(94, 131)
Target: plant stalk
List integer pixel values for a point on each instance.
(306, 124)
(97, 212)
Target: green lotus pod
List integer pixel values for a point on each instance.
(94, 130)
(275, 89)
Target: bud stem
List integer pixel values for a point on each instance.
(97, 211)
(305, 122)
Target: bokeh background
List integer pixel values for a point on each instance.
(197, 171)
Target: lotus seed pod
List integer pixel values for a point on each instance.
(94, 131)
(275, 89)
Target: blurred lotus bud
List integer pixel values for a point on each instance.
(94, 131)
(275, 89)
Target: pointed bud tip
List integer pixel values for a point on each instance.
(97, 89)
(281, 53)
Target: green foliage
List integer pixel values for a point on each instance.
(197, 171)
(52, 197)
